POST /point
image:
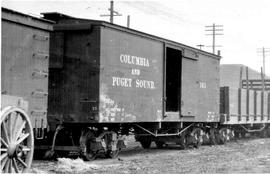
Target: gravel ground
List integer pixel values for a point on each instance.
(242, 156)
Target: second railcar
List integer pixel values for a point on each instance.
(24, 87)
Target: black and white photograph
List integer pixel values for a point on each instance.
(135, 86)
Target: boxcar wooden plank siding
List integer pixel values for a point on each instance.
(74, 85)
(25, 56)
(131, 78)
(208, 85)
(111, 74)
(190, 92)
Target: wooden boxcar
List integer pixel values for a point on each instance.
(112, 79)
(104, 73)
(24, 87)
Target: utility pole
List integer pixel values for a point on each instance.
(215, 30)
(200, 46)
(264, 52)
(128, 21)
(112, 12)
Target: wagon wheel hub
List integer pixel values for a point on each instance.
(12, 150)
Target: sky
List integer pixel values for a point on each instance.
(246, 26)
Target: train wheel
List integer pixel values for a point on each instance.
(111, 140)
(197, 133)
(17, 141)
(224, 135)
(63, 138)
(237, 135)
(183, 141)
(159, 144)
(112, 153)
(263, 133)
(231, 134)
(212, 136)
(206, 138)
(85, 143)
(146, 143)
(268, 132)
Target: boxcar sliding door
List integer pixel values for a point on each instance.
(173, 75)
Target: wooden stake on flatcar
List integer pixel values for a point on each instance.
(262, 96)
(247, 97)
(239, 94)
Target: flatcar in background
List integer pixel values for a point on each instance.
(245, 100)
(82, 86)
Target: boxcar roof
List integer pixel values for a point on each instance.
(25, 19)
(65, 22)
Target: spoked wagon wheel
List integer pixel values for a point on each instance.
(17, 141)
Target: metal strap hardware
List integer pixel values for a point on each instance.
(39, 94)
(41, 56)
(155, 134)
(253, 130)
(38, 112)
(39, 74)
(40, 37)
(39, 132)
